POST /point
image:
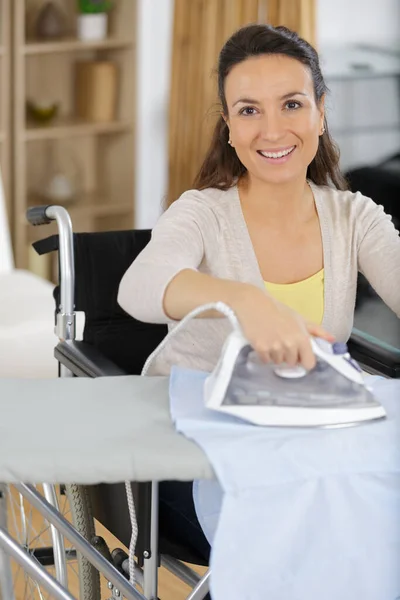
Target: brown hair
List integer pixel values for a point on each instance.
(222, 167)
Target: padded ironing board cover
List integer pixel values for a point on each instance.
(306, 514)
(77, 430)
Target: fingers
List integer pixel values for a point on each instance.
(306, 355)
(285, 352)
(289, 352)
(318, 331)
(280, 335)
(277, 353)
(291, 356)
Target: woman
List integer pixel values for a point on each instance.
(269, 228)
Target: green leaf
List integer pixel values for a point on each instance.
(91, 7)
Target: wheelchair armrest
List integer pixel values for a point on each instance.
(374, 355)
(84, 360)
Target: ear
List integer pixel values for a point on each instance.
(226, 119)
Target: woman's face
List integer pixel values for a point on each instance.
(273, 118)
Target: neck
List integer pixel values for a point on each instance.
(291, 202)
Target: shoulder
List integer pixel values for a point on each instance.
(348, 207)
(201, 205)
(210, 198)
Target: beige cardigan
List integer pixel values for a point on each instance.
(206, 231)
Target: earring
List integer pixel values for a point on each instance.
(323, 130)
(230, 142)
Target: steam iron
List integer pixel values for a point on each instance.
(332, 394)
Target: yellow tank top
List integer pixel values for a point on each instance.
(306, 297)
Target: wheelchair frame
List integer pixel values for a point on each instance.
(10, 548)
(147, 576)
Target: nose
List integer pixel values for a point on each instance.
(272, 126)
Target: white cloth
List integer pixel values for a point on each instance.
(27, 337)
(310, 513)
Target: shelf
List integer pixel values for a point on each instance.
(392, 50)
(365, 129)
(69, 45)
(357, 62)
(70, 127)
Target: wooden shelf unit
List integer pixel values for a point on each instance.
(103, 151)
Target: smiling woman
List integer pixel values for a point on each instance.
(270, 227)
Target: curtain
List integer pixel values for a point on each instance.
(200, 29)
(299, 15)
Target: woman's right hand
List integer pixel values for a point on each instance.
(276, 332)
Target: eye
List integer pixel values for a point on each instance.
(292, 105)
(247, 111)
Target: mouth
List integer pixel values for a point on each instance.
(277, 157)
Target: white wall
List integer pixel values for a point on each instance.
(373, 21)
(154, 41)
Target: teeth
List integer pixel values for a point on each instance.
(277, 154)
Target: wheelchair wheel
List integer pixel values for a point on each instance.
(34, 533)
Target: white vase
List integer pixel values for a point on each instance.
(92, 27)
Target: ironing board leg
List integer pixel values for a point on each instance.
(6, 580)
(201, 589)
(150, 563)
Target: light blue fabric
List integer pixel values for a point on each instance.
(310, 514)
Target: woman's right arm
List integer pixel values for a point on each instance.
(176, 245)
(275, 331)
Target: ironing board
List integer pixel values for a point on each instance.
(84, 431)
(72, 430)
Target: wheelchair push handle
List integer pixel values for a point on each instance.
(42, 215)
(36, 215)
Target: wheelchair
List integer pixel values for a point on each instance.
(91, 266)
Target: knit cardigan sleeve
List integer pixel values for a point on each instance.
(181, 238)
(379, 251)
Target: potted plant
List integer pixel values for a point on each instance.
(93, 19)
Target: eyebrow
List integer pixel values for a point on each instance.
(252, 101)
